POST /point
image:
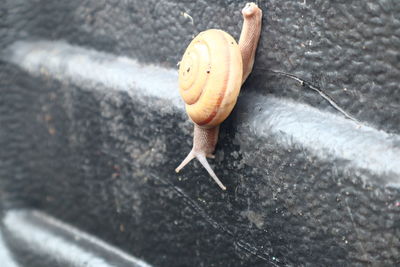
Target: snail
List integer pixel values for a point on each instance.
(211, 72)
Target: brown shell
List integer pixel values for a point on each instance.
(210, 76)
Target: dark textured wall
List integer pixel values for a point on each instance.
(82, 142)
(349, 49)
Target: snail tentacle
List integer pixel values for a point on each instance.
(202, 159)
(188, 158)
(203, 146)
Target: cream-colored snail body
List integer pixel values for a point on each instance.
(211, 72)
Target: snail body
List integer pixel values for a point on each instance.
(211, 72)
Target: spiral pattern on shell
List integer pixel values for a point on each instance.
(210, 76)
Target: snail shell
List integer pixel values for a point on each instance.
(210, 77)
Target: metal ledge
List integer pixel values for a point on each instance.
(328, 136)
(52, 240)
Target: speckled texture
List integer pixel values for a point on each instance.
(348, 49)
(81, 152)
(37, 240)
(89, 161)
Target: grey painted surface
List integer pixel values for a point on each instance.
(107, 147)
(325, 135)
(5, 255)
(58, 244)
(91, 133)
(349, 49)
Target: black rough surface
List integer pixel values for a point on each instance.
(37, 239)
(85, 156)
(349, 49)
